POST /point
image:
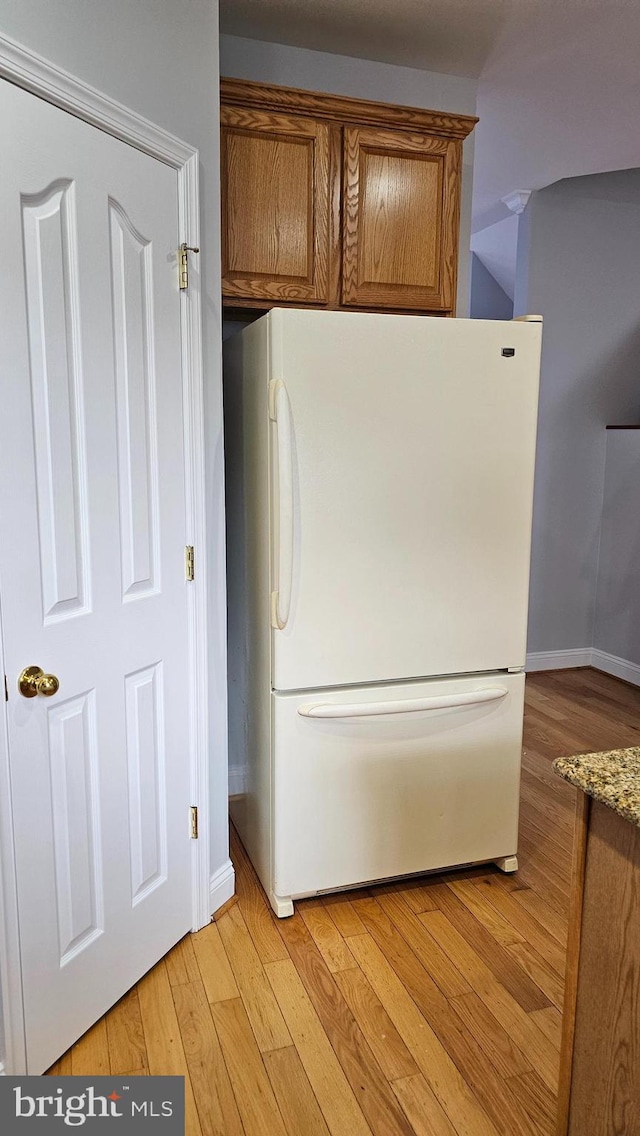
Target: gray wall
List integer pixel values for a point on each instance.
(617, 620)
(578, 265)
(487, 300)
(364, 79)
(160, 57)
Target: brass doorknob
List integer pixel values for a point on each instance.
(34, 681)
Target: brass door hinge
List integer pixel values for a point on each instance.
(183, 264)
(194, 822)
(189, 562)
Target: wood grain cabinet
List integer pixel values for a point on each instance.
(599, 1092)
(400, 220)
(335, 202)
(275, 203)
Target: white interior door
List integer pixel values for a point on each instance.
(92, 535)
(403, 483)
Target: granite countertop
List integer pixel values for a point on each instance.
(612, 777)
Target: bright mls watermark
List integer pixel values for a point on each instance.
(132, 1104)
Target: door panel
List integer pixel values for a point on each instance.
(414, 260)
(73, 767)
(49, 228)
(134, 332)
(362, 797)
(402, 505)
(401, 220)
(92, 542)
(144, 699)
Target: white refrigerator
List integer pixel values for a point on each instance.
(379, 496)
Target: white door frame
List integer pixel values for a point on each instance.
(26, 69)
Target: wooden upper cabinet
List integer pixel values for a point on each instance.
(336, 202)
(275, 206)
(400, 220)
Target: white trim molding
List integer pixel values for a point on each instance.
(585, 657)
(559, 660)
(237, 781)
(222, 886)
(45, 80)
(517, 201)
(12, 1028)
(613, 665)
(25, 68)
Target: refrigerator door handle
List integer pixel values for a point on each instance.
(280, 411)
(401, 705)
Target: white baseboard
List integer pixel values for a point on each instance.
(585, 657)
(612, 665)
(237, 782)
(222, 886)
(559, 660)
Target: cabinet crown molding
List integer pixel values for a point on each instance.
(342, 109)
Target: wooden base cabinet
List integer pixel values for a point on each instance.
(335, 202)
(599, 1092)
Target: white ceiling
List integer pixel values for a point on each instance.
(558, 97)
(451, 36)
(455, 37)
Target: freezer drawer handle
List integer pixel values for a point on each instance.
(281, 413)
(401, 705)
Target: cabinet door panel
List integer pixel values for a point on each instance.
(401, 216)
(275, 208)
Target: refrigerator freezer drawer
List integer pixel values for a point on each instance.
(388, 781)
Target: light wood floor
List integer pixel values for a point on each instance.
(431, 1009)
